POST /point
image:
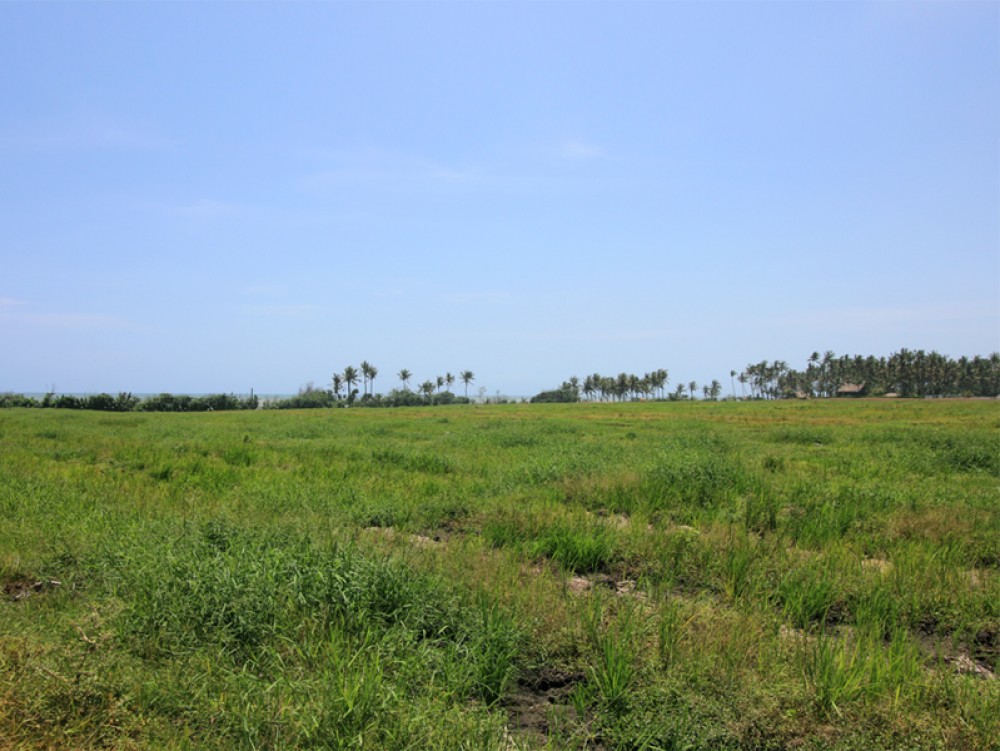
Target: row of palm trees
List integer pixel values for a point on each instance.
(906, 373)
(623, 387)
(629, 386)
(368, 372)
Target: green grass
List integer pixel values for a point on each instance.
(821, 575)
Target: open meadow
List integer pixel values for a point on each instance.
(757, 575)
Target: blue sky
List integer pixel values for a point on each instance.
(214, 197)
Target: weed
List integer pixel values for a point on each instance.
(613, 671)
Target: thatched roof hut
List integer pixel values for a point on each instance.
(851, 389)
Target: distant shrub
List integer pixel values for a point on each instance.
(565, 393)
(308, 398)
(124, 402)
(9, 400)
(187, 403)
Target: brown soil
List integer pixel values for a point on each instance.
(19, 589)
(530, 705)
(986, 647)
(877, 564)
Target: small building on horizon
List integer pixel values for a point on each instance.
(852, 389)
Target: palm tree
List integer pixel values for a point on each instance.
(467, 377)
(372, 373)
(732, 375)
(337, 382)
(427, 389)
(597, 382)
(826, 369)
(659, 380)
(715, 389)
(404, 375)
(621, 385)
(364, 375)
(350, 378)
(440, 382)
(693, 389)
(449, 379)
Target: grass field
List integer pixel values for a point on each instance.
(809, 575)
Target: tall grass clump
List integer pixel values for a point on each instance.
(688, 483)
(579, 548)
(842, 670)
(242, 594)
(812, 594)
(616, 646)
(577, 545)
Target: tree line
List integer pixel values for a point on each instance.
(127, 402)
(344, 391)
(907, 373)
(627, 387)
(348, 378)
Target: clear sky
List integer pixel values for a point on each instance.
(201, 197)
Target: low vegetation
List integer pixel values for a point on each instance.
(755, 575)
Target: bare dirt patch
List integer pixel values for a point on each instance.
(986, 647)
(537, 696)
(965, 665)
(880, 565)
(22, 588)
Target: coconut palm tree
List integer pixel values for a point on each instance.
(598, 383)
(427, 389)
(693, 389)
(337, 382)
(350, 378)
(621, 385)
(467, 377)
(404, 375)
(715, 389)
(659, 380)
(366, 370)
(449, 380)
